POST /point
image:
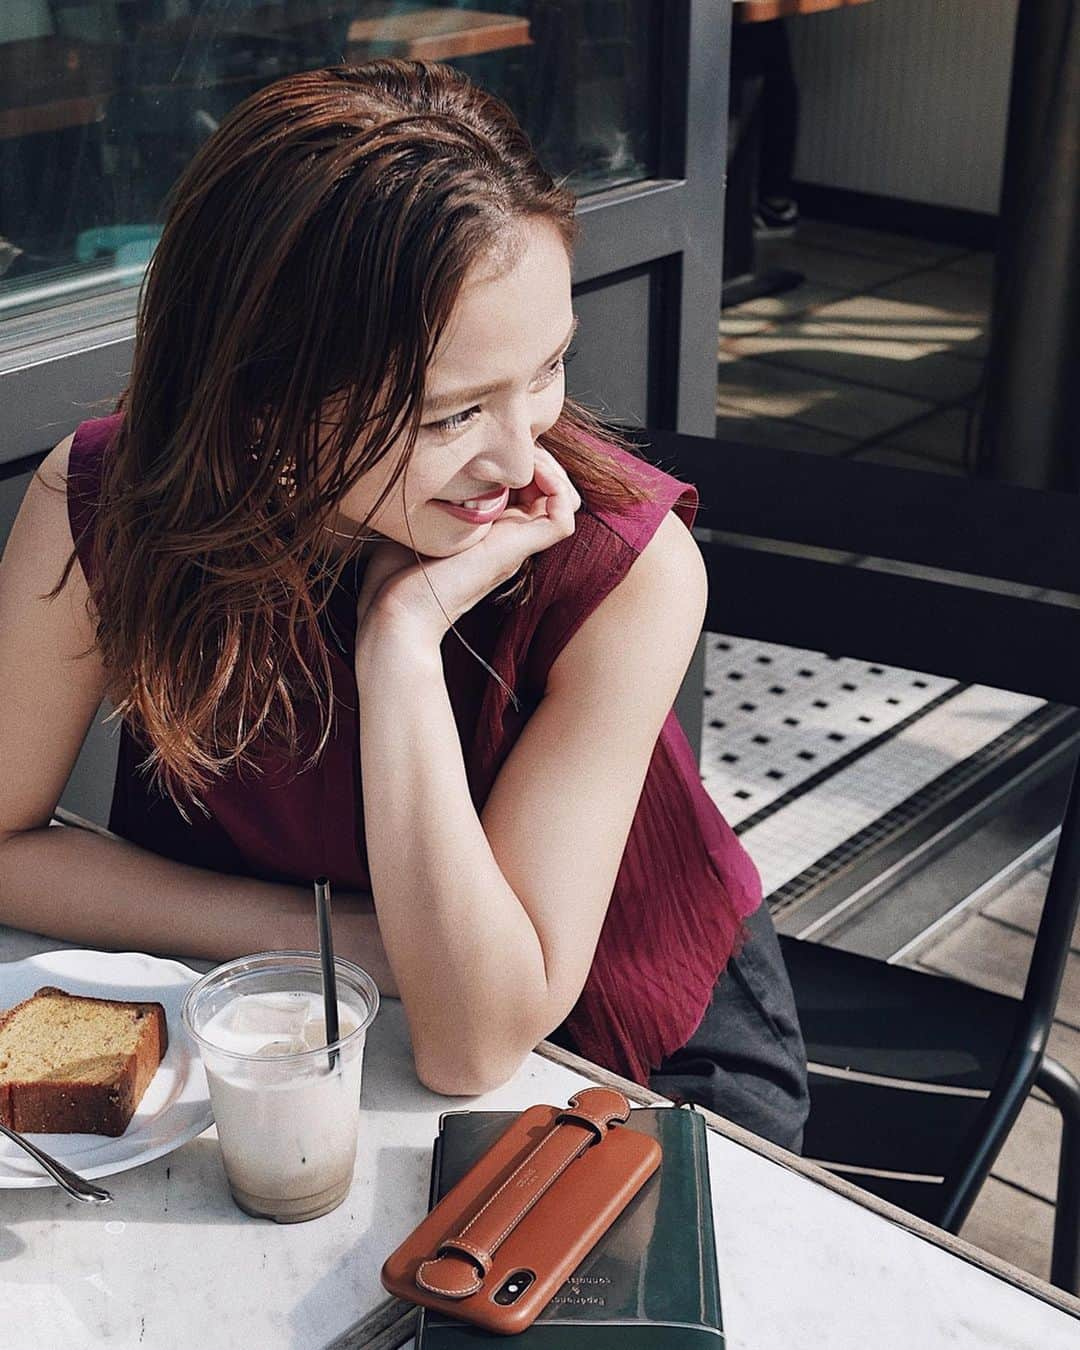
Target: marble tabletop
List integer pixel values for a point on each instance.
(173, 1263)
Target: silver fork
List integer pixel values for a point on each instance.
(74, 1184)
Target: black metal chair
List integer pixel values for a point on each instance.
(916, 1079)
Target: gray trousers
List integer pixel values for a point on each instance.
(746, 1061)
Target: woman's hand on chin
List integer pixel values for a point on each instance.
(396, 592)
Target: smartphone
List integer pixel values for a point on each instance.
(547, 1243)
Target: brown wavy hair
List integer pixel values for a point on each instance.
(313, 249)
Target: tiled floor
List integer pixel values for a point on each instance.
(876, 356)
(803, 751)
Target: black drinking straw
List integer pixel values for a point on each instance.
(326, 960)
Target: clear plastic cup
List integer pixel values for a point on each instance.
(287, 1116)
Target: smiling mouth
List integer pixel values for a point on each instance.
(478, 510)
(476, 503)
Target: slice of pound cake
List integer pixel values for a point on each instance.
(75, 1065)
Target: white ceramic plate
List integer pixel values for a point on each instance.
(176, 1105)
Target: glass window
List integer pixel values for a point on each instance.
(102, 102)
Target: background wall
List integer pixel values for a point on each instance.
(906, 98)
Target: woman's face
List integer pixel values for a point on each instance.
(494, 385)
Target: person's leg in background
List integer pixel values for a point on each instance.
(762, 51)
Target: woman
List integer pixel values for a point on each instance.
(373, 599)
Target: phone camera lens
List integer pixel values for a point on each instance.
(513, 1287)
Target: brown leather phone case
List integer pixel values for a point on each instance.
(527, 1212)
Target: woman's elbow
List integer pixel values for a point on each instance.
(465, 1080)
(462, 1070)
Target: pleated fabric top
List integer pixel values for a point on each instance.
(684, 884)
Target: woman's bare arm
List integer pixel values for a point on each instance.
(491, 920)
(74, 884)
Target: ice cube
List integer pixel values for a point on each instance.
(314, 1028)
(292, 1045)
(313, 1032)
(270, 1014)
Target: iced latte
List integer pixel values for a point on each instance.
(286, 1105)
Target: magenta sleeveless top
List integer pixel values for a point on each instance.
(684, 884)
